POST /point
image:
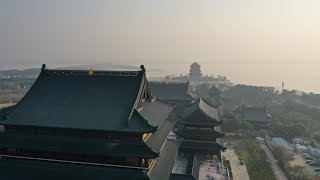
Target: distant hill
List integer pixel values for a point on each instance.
(26, 73)
(102, 66)
(34, 72)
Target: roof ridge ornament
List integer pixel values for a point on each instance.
(43, 67)
(142, 68)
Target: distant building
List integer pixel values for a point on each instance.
(255, 115)
(300, 148)
(77, 124)
(195, 70)
(314, 151)
(302, 140)
(195, 78)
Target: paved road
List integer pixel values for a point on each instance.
(239, 172)
(275, 167)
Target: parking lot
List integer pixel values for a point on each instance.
(300, 161)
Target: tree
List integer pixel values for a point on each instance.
(202, 90)
(256, 160)
(287, 131)
(246, 125)
(230, 124)
(282, 155)
(317, 137)
(296, 173)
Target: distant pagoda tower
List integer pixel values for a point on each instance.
(195, 70)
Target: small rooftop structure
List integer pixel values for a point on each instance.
(302, 140)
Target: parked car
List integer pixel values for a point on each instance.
(305, 154)
(317, 169)
(308, 161)
(313, 163)
(307, 157)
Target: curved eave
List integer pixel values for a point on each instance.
(200, 124)
(199, 133)
(202, 146)
(139, 124)
(4, 112)
(79, 146)
(23, 168)
(208, 110)
(200, 112)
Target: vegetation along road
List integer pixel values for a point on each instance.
(280, 175)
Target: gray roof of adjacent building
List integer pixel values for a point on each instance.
(171, 91)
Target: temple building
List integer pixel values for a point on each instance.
(199, 126)
(77, 124)
(197, 131)
(258, 116)
(172, 92)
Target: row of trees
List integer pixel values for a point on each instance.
(234, 125)
(256, 162)
(283, 157)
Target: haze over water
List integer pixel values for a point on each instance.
(254, 42)
(295, 76)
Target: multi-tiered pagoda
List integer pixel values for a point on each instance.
(199, 126)
(76, 124)
(195, 70)
(197, 129)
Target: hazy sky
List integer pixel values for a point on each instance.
(160, 32)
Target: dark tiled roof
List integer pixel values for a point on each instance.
(195, 133)
(77, 145)
(200, 113)
(23, 169)
(202, 146)
(170, 91)
(253, 114)
(106, 100)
